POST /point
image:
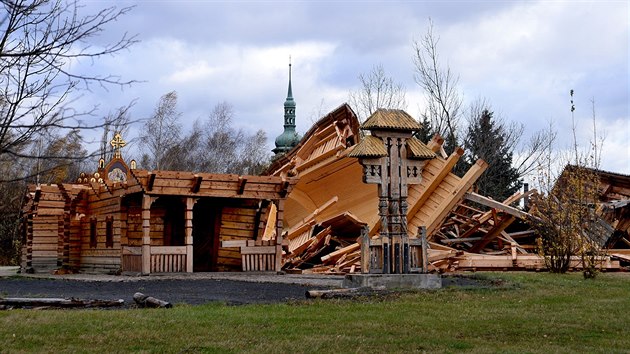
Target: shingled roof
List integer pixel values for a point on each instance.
(370, 146)
(417, 150)
(391, 119)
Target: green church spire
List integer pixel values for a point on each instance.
(289, 138)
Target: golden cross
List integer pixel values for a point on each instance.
(117, 143)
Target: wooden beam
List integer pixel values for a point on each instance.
(196, 183)
(146, 234)
(243, 181)
(442, 211)
(284, 188)
(151, 181)
(460, 240)
(492, 234)
(435, 143)
(496, 205)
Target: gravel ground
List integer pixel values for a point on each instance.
(193, 289)
(191, 292)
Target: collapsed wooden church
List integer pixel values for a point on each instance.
(310, 212)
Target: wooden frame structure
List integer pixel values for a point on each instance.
(155, 222)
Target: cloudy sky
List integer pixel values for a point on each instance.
(522, 56)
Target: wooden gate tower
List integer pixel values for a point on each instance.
(393, 159)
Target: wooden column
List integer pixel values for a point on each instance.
(279, 227)
(146, 234)
(188, 217)
(29, 243)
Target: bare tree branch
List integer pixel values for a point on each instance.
(38, 42)
(440, 85)
(377, 91)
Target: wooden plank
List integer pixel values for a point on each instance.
(492, 234)
(334, 256)
(496, 205)
(464, 185)
(234, 243)
(258, 250)
(168, 250)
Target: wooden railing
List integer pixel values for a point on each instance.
(256, 256)
(168, 259)
(131, 259)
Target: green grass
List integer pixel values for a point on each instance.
(530, 312)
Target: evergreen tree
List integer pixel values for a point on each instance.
(425, 134)
(487, 139)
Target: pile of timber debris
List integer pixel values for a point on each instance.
(327, 247)
(465, 231)
(498, 238)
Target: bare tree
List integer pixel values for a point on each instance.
(162, 132)
(117, 121)
(38, 39)
(377, 91)
(64, 158)
(225, 149)
(220, 140)
(444, 102)
(566, 212)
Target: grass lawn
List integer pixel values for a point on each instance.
(530, 312)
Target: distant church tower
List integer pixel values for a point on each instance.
(289, 138)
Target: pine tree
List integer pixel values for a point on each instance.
(487, 139)
(425, 134)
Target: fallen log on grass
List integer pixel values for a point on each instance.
(346, 293)
(148, 301)
(25, 302)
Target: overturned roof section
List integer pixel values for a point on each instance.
(391, 119)
(330, 135)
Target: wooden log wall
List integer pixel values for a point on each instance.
(102, 206)
(44, 242)
(134, 227)
(78, 212)
(45, 229)
(237, 223)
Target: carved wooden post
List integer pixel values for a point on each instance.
(188, 233)
(392, 158)
(279, 226)
(146, 234)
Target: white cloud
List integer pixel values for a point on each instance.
(524, 57)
